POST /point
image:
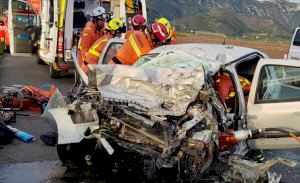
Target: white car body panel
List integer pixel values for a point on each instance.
(68, 132)
(285, 115)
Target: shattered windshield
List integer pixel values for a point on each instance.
(175, 60)
(146, 58)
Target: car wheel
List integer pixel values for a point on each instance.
(54, 73)
(73, 156)
(38, 59)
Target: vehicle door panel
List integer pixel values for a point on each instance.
(49, 30)
(24, 26)
(274, 102)
(44, 27)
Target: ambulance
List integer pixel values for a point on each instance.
(53, 27)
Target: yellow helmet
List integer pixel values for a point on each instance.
(115, 24)
(165, 22)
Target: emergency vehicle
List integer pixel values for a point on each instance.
(57, 26)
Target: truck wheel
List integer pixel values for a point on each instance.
(38, 59)
(73, 155)
(54, 74)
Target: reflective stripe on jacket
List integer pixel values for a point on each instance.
(134, 47)
(94, 53)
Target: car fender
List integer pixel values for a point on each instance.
(68, 132)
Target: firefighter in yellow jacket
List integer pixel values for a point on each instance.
(115, 28)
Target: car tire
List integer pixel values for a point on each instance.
(73, 155)
(38, 59)
(54, 74)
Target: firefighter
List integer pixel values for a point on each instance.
(137, 23)
(114, 28)
(93, 31)
(171, 32)
(224, 85)
(139, 44)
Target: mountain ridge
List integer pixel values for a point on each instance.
(230, 16)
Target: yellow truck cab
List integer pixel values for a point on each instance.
(56, 30)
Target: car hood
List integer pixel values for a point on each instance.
(159, 91)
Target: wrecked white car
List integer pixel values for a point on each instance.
(164, 113)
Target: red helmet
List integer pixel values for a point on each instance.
(138, 21)
(159, 31)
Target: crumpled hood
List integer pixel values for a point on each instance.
(164, 91)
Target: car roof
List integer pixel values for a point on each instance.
(220, 54)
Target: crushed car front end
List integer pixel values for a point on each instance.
(159, 114)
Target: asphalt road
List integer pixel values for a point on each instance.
(37, 162)
(24, 71)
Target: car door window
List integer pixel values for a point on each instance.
(23, 13)
(278, 84)
(111, 52)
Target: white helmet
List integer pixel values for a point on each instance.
(99, 12)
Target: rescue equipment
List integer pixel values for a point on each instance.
(26, 137)
(19, 97)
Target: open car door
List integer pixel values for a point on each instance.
(23, 26)
(274, 102)
(107, 54)
(110, 50)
